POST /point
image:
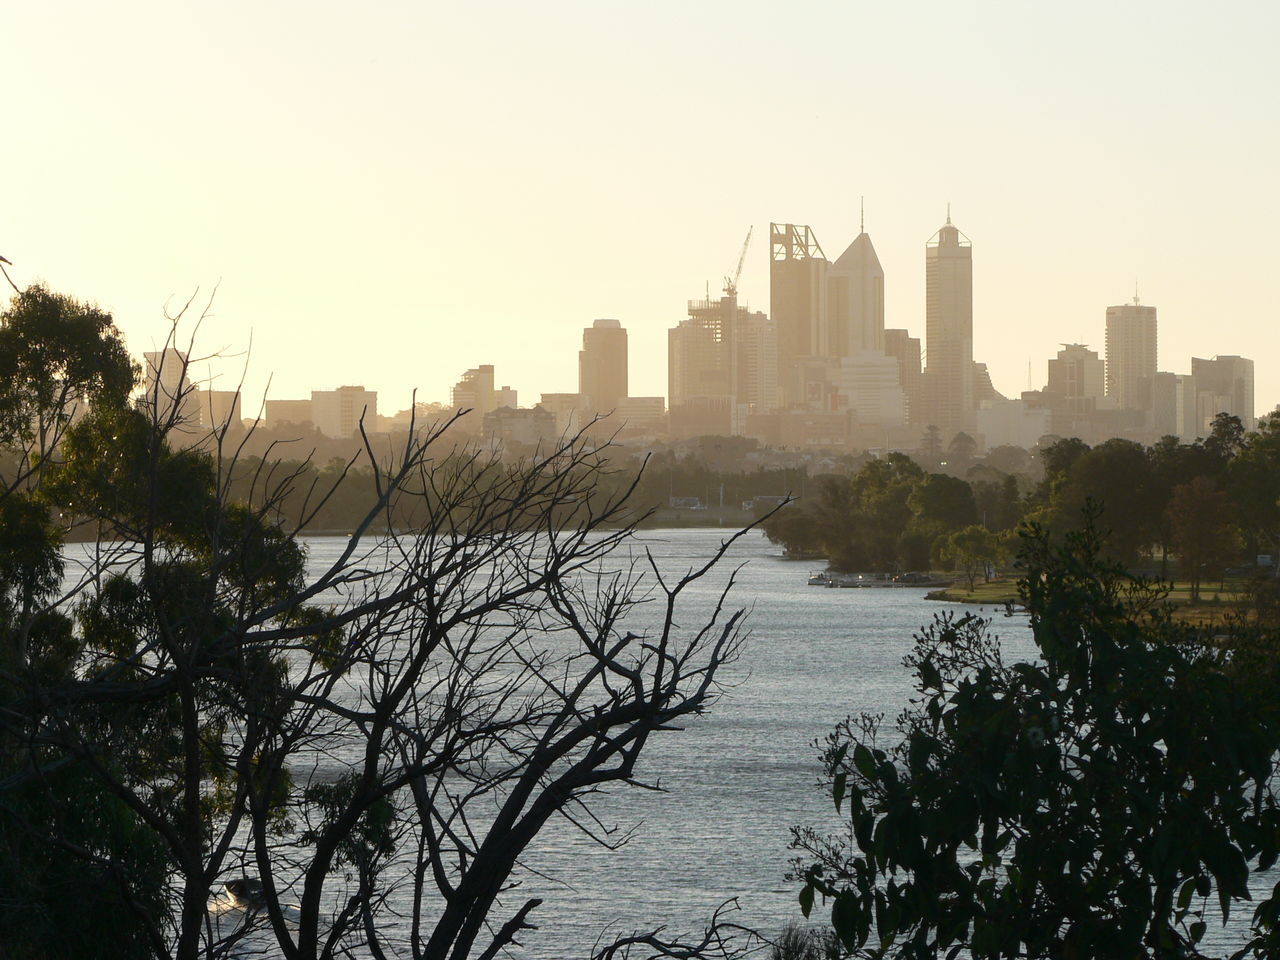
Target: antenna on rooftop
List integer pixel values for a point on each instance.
(1136, 301)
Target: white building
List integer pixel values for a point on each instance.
(1012, 422)
(338, 413)
(867, 383)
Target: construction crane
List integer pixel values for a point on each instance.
(731, 283)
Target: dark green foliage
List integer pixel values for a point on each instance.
(55, 353)
(1106, 801)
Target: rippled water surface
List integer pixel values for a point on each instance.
(736, 780)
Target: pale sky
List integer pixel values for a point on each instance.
(389, 193)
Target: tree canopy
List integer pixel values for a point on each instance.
(1107, 800)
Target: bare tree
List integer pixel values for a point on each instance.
(365, 752)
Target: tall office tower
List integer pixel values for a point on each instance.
(602, 366)
(855, 301)
(905, 348)
(1131, 355)
(1078, 375)
(949, 373)
(475, 390)
(1173, 406)
(798, 304)
(1225, 385)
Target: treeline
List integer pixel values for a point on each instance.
(893, 515)
(1190, 508)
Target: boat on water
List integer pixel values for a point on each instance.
(819, 579)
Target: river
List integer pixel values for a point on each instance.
(737, 779)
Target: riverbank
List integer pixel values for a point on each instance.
(1215, 606)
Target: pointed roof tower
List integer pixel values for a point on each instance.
(856, 297)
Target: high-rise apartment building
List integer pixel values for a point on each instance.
(1131, 355)
(756, 347)
(797, 303)
(602, 366)
(475, 390)
(855, 301)
(949, 397)
(1225, 385)
(721, 366)
(341, 413)
(168, 389)
(219, 408)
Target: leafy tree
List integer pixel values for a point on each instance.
(57, 357)
(960, 451)
(1200, 517)
(945, 501)
(1116, 475)
(1226, 436)
(1171, 463)
(1108, 800)
(1060, 456)
(1253, 481)
(973, 549)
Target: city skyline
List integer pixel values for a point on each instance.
(459, 183)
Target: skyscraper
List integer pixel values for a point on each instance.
(855, 301)
(1131, 355)
(720, 366)
(797, 303)
(949, 373)
(1078, 376)
(905, 348)
(602, 366)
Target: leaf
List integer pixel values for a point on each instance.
(806, 899)
(1197, 931)
(1184, 894)
(837, 789)
(864, 761)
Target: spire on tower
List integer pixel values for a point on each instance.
(948, 213)
(862, 214)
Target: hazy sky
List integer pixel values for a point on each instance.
(389, 193)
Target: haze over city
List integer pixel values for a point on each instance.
(393, 198)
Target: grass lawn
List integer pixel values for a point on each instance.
(1216, 600)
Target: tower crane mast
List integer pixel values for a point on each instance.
(731, 283)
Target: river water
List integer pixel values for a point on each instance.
(736, 780)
